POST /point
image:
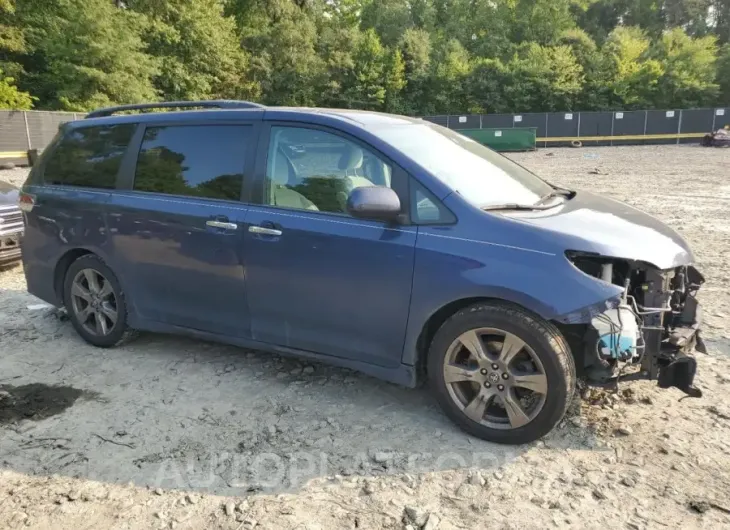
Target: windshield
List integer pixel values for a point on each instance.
(482, 176)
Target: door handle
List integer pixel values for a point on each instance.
(263, 230)
(222, 224)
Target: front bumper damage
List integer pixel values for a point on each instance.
(671, 336)
(666, 331)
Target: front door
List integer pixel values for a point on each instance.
(179, 229)
(318, 279)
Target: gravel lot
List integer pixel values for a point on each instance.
(168, 432)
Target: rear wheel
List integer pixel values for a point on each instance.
(501, 373)
(95, 302)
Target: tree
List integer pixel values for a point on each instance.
(281, 38)
(12, 39)
(720, 16)
(364, 85)
(486, 86)
(11, 97)
(544, 78)
(634, 75)
(198, 50)
(395, 80)
(595, 93)
(541, 21)
(723, 74)
(415, 47)
(419, 57)
(83, 54)
(389, 18)
(448, 84)
(689, 70)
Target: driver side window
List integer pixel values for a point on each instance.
(310, 169)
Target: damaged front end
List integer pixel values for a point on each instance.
(649, 332)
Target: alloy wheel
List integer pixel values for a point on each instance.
(94, 302)
(495, 378)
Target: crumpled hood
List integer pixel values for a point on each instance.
(8, 194)
(593, 223)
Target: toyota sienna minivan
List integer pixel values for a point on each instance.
(376, 242)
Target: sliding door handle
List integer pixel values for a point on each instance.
(222, 224)
(263, 230)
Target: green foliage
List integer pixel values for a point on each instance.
(83, 54)
(541, 21)
(281, 37)
(689, 69)
(407, 56)
(634, 75)
(544, 78)
(450, 70)
(723, 73)
(11, 97)
(200, 56)
(389, 18)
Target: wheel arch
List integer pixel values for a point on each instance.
(66, 259)
(62, 265)
(442, 314)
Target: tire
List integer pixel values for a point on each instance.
(544, 359)
(117, 332)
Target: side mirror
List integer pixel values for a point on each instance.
(374, 202)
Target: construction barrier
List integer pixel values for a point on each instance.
(634, 127)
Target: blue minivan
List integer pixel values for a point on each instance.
(381, 243)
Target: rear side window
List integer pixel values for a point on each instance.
(89, 157)
(193, 160)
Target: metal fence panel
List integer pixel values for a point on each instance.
(533, 119)
(465, 121)
(629, 123)
(497, 121)
(43, 126)
(662, 122)
(562, 125)
(438, 120)
(594, 124)
(721, 118)
(12, 131)
(696, 122)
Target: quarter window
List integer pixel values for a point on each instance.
(89, 156)
(427, 209)
(193, 160)
(311, 169)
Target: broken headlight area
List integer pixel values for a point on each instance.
(648, 333)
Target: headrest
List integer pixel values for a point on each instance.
(351, 158)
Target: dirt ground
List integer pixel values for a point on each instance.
(168, 432)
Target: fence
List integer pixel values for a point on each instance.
(601, 128)
(21, 131)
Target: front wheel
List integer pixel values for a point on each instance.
(501, 373)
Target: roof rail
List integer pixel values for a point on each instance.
(212, 104)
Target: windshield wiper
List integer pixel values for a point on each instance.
(557, 192)
(513, 206)
(539, 205)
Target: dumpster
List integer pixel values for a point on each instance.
(508, 139)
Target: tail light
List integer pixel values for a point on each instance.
(26, 201)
